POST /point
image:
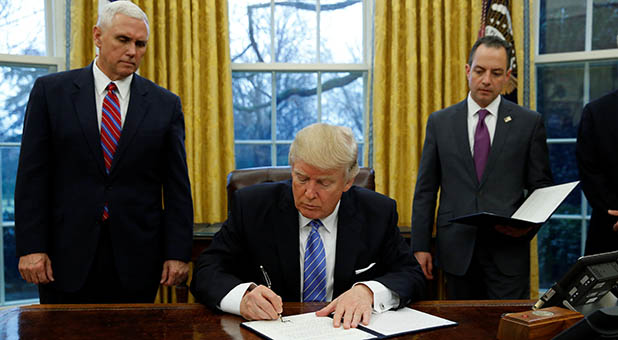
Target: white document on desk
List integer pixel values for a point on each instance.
(305, 327)
(308, 326)
(405, 320)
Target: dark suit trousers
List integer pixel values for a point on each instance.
(102, 284)
(484, 280)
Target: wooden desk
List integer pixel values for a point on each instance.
(477, 320)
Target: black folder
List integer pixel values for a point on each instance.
(487, 219)
(535, 213)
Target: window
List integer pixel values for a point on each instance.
(576, 62)
(294, 64)
(28, 49)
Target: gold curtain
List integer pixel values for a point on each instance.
(188, 53)
(421, 48)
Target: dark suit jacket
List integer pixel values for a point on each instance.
(597, 159)
(262, 229)
(62, 185)
(518, 161)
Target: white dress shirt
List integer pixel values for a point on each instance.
(100, 84)
(490, 119)
(383, 298)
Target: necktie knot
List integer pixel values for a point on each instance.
(482, 114)
(111, 87)
(315, 224)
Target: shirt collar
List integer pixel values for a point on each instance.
(328, 221)
(101, 81)
(473, 107)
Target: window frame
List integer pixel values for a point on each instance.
(55, 31)
(586, 57)
(278, 67)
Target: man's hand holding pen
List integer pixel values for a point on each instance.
(261, 303)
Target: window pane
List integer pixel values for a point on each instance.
(252, 105)
(295, 31)
(15, 287)
(604, 28)
(22, 27)
(252, 155)
(603, 78)
(559, 246)
(560, 97)
(296, 103)
(15, 85)
(282, 154)
(341, 31)
(249, 31)
(562, 26)
(8, 167)
(342, 101)
(564, 169)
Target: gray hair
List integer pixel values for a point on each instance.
(326, 147)
(121, 7)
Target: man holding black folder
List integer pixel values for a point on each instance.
(483, 154)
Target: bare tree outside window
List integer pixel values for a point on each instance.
(271, 104)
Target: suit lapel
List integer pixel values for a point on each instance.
(287, 234)
(83, 97)
(500, 135)
(349, 243)
(460, 131)
(138, 107)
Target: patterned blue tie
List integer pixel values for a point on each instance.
(314, 287)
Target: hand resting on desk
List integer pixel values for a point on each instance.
(353, 306)
(261, 303)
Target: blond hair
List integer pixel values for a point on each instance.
(326, 147)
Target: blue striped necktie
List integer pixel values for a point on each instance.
(314, 287)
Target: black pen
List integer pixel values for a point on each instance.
(268, 284)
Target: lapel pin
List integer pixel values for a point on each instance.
(507, 119)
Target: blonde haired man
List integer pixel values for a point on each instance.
(280, 227)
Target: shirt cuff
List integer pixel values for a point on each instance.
(231, 301)
(383, 298)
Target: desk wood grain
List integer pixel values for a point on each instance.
(477, 320)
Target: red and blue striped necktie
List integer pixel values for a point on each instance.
(110, 130)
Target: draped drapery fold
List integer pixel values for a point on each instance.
(187, 53)
(421, 48)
